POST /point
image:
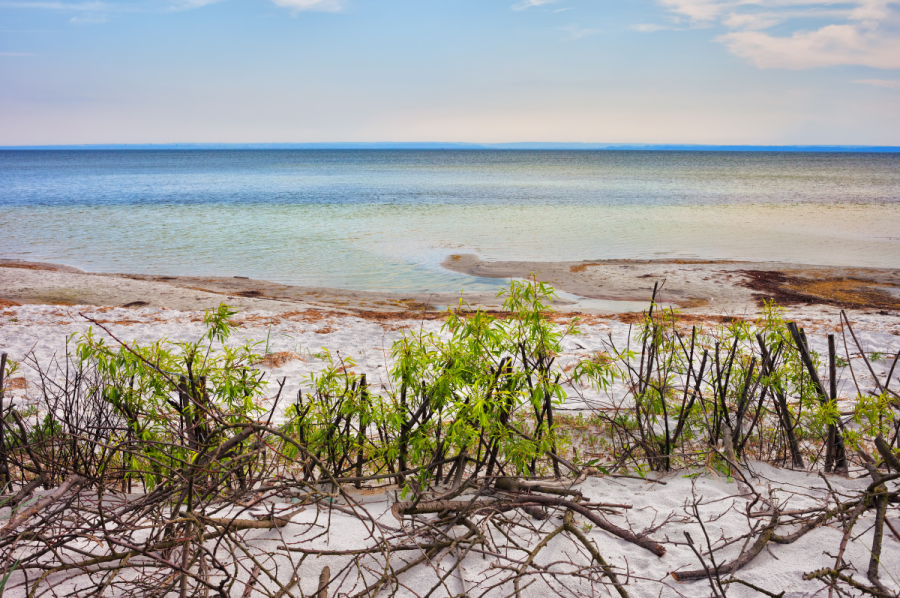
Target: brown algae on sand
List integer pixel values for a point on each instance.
(806, 287)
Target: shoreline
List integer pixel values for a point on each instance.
(596, 287)
(704, 286)
(41, 305)
(39, 283)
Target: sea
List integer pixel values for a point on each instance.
(386, 219)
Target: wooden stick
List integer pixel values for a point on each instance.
(886, 453)
(607, 570)
(738, 563)
(74, 481)
(823, 397)
(866, 359)
(642, 541)
(14, 500)
(324, 579)
(4, 463)
(832, 383)
(784, 414)
(254, 576)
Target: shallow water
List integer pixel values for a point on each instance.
(384, 220)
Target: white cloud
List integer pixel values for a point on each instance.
(320, 5)
(754, 22)
(871, 10)
(893, 84)
(831, 45)
(855, 32)
(648, 27)
(696, 10)
(523, 4)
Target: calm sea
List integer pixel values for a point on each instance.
(384, 220)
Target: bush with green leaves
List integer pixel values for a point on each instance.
(476, 399)
(746, 387)
(176, 399)
(480, 401)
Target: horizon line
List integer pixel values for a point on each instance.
(435, 145)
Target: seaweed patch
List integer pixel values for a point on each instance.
(838, 291)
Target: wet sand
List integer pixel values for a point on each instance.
(49, 284)
(694, 287)
(705, 286)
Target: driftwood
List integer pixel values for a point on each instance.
(835, 575)
(266, 522)
(642, 541)
(399, 509)
(570, 527)
(23, 494)
(324, 579)
(559, 488)
(814, 523)
(886, 453)
(738, 563)
(19, 518)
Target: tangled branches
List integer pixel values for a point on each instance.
(175, 470)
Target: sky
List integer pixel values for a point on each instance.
(767, 72)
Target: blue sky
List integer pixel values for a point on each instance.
(639, 71)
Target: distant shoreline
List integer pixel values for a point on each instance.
(437, 146)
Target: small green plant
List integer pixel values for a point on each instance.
(203, 385)
(11, 368)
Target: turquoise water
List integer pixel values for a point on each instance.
(384, 220)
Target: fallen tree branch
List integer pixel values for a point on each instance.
(570, 527)
(644, 542)
(738, 563)
(74, 481)
(23, 494)
(835, 574)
